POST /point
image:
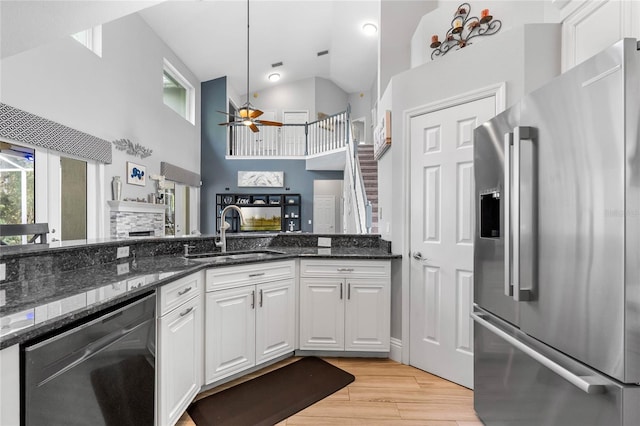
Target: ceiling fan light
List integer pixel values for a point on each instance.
(369, 28)
(273, 77)
(247, 122)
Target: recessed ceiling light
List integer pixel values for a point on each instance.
(273, 77)
(369, 28)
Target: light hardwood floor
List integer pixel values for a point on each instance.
(384, 393)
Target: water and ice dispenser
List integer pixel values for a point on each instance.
(490, 215)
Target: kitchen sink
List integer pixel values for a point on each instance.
(220, 257)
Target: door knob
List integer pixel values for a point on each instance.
(418, 256)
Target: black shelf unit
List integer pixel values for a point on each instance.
(260, 211)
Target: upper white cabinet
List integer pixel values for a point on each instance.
(345, 305)
(250, 316)
(613, 19)
(179, 356)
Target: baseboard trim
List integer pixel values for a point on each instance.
(396, 349)
(341, 354)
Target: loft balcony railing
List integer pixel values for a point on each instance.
(293, 141)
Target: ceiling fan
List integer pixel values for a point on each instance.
(248, 114)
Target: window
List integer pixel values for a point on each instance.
(91, 39)
(17, 188)
(177, 92)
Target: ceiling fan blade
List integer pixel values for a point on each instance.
(255, 113)
(269, 123)
(254, 128)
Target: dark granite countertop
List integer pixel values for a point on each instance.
(34, 306)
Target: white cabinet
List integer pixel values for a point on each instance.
(230, 332)
(345, 305)
(10, 386)
(275, 319)
(250, 316)
(179, 357)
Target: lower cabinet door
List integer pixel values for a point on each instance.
(367, 318)
(230, 332)
(322, 314)
(179, 360)
(275, 319)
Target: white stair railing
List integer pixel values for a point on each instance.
(291, 140)
(355, 196)
(328, 134)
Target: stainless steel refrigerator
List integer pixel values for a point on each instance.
(557, 250)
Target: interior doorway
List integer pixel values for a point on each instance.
(327, 206)
(442, 227)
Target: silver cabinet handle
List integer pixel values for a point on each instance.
(345, 269)
(253, 299)
(261, 298)
(340, 291)
(348, 291)
(588, 384)
(186, 311)
(259, 274)
(186, 290)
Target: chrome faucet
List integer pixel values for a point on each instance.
(224, 225)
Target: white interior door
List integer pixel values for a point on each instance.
(442, 222)
(293, 137)
(324, 214)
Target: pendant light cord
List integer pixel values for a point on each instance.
(247, 57)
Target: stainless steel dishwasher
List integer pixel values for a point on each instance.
(101, 372)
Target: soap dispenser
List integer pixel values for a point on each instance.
(291, 226)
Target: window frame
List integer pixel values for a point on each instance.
(190, 107)
(93, 39)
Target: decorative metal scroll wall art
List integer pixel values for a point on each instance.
(464, 27)
(131, 148)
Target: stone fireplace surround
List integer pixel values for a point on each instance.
(127, 217)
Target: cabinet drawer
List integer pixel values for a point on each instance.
(254, 273)
(176, 293)
(345, 268)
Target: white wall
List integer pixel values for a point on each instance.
(361, 108)
(330, 99)
(398, 21)
(311, 94)
(512, 14)
(297, 95)
(113, 97)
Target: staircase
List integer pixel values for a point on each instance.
(369, 169)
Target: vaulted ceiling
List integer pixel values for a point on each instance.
(210, 36)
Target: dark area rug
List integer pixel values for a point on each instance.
(272, 397)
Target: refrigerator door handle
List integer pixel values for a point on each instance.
(588, 384)
(508, 141)
(522, 211)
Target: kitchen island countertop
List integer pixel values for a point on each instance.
(34, 306)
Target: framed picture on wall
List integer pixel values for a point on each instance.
(253, 179)
(136, 174)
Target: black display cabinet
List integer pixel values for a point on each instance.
(262, 212)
